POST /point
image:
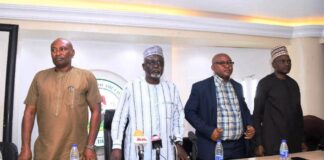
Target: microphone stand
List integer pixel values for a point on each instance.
(157, 145)
(158, 153)
(140, 152)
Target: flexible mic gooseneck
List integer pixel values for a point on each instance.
(140, 140)
(157, 145)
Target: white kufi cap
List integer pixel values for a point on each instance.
(154, 50)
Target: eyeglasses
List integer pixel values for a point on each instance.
(223, 63)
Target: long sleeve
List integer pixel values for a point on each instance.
(259, 103)
(299, 118)
(120, 119)
(192, 109)
(178, 116)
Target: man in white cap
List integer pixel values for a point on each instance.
(277, 110)
(151, 105)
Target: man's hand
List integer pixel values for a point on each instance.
(116, 154)
(250, 131)
(27, 127)
(25, 154)
(259, 151)
(182, 154)
(216, 134)
(89, 154)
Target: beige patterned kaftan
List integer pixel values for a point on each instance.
(61, 100)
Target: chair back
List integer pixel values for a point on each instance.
(9, 151)
(108, 117)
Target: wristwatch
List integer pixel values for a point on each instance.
(178, 143)
(91, 146)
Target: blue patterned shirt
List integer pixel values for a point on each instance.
(228, 110)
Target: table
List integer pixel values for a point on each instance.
(312, 155)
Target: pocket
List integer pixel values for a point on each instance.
(73, 97)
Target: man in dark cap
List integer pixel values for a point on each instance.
(153, 108)
(277, 110)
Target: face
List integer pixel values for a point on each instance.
(222, 66)
(62, 53)
(282, 64)
(153, 66)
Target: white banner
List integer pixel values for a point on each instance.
(110, 86)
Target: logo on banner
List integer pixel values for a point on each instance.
(110, 88)
(110, 93)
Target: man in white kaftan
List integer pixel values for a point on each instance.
(151, 105)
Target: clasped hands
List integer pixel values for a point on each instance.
(248, 134)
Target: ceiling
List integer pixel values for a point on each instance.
(280, 10)
(276, 9)
(264, 18)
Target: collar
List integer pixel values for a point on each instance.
(219, 80)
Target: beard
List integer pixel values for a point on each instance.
(155, 75)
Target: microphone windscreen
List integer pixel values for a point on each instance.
(138, 133)
(139, 137)
(156, 142)
(155, 138)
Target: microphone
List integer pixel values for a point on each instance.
(140, 140)
(156, 142)
(157, 145)
(193, 138)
